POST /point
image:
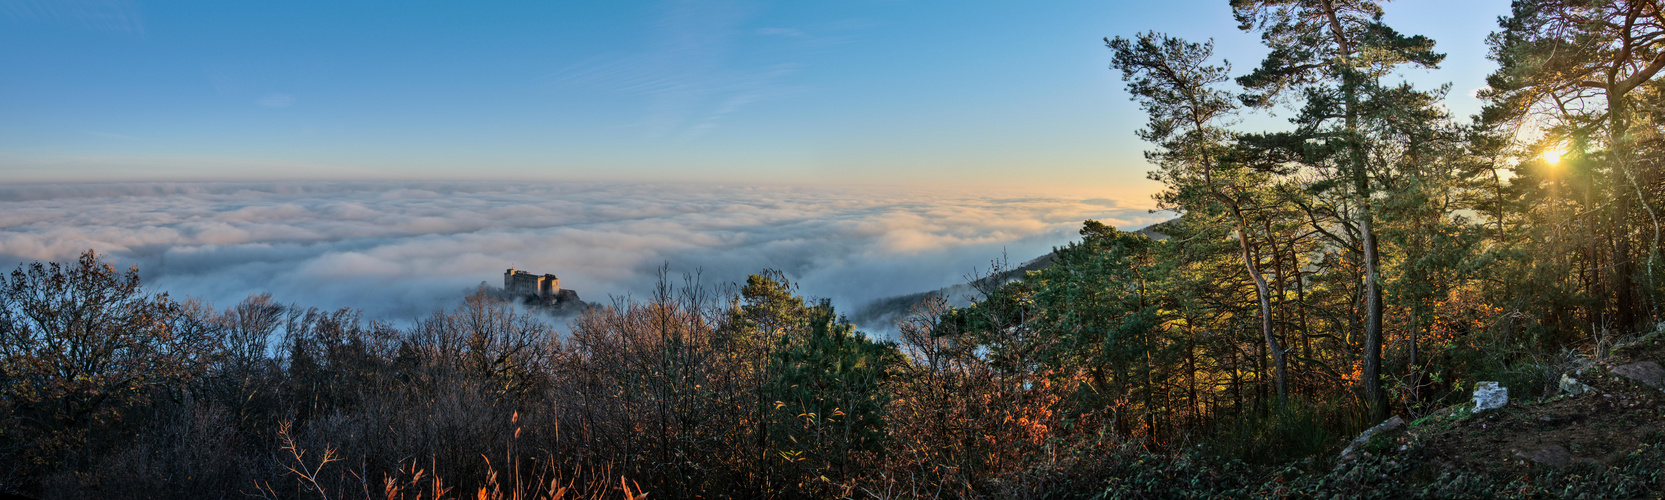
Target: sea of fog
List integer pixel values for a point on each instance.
(397, 250)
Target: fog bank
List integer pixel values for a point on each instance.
(399, 249)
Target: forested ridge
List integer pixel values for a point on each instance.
(1374, 259)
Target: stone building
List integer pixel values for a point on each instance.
(540, 289)
(525, 283)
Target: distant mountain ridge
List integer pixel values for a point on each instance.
(882, 314)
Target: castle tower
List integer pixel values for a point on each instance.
(549, 285)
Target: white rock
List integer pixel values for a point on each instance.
(1573, 386)
(1488, 396)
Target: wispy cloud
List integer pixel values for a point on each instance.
(120, 16)
(786, 32)
(689, 74)
(398, 249)
(276, 100)
(224, 81)
(110, 135)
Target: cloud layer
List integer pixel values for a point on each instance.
(400, 249)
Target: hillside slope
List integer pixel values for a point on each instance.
(881, 314)
(1599, 434)
(1605, 442)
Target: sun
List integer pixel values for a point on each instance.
(1553, 155)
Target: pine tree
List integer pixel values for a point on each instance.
(1332, 55)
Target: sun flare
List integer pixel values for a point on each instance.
(1553, 155)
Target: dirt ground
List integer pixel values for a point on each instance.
(1596, 427)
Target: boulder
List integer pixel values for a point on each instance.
(1573, 386)
(1646, 372)
(1488, 396)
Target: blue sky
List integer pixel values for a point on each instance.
(980, 95)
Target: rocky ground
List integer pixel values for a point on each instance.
(1601, 436)
(1599, 426)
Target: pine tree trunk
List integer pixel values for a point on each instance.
(1374, 396)
(1265, 297)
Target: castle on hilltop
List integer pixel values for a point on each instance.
(525, 283)
(542, 289)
